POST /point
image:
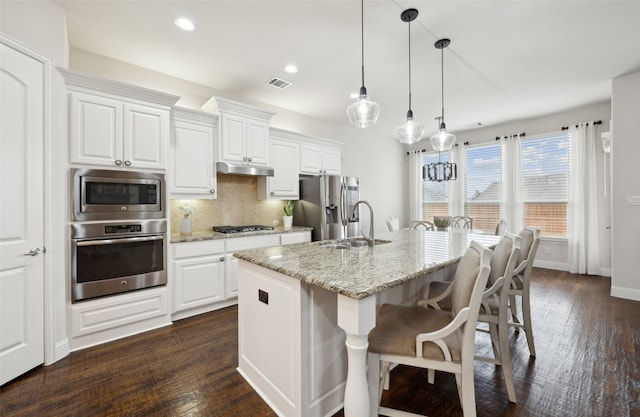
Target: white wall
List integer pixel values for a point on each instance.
(625, 154)
(371, 154)
(40, 25)
(552, 253)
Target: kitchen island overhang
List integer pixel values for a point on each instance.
(300, 305)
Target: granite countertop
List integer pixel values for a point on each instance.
(210, 234)
(362, 271)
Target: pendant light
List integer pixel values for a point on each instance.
(442, 141)
(409, 132)
(364, 112)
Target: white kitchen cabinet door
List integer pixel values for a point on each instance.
(331, 161)
(231, 278)
(95, 130)
(319, 160)
(109, 132)
(257, 137)
(233, 144)
(284, 185)
(310, 159)
(146, 135)
(198, 281)
(192, 161)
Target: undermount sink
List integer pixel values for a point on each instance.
(336, 246)
(351, 243)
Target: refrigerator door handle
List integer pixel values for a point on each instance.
(343, 204)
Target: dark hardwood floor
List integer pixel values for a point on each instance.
(588, 364)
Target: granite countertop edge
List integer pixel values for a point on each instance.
(211, 235)
(357, 295)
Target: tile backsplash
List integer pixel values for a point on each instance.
(237, 204)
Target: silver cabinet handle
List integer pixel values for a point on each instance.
(250, 159)
(118, 162)
(273, 193)
(212, 191)
(244, 159)
(222, 259)
(127, 163)
(33, 252)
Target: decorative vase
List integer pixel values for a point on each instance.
(185, 226)
(287, 221)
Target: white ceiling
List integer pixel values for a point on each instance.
(507, 59)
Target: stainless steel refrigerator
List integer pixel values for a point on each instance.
(326, 203)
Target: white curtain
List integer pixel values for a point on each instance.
(511, 207)
(457, 155)
(415, 185)
(583, 225)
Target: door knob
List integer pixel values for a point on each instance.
(33, 252)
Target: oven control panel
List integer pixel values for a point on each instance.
(122, 228)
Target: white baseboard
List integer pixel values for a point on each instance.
(627, 293)
(558, 266)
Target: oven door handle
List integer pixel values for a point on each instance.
(113, 241)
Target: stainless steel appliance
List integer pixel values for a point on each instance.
(326, 203)
(241, 229)
(117, 195)
(111, 258)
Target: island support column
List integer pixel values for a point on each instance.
(357, 318)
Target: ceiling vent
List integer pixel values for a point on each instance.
(278, 82)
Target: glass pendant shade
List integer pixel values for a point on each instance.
(364, 112)
(442, 141)
(410, 132)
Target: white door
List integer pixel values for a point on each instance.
(21, 213)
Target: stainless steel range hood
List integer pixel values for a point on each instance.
(239, 169)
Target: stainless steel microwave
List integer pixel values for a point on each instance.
(116, 195)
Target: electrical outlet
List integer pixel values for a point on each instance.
(633, 200)
(547, 251)
(275, 222)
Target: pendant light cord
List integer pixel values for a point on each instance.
(362, 37)
(409, 65)
(442, 81)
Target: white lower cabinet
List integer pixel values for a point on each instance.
(204, 273)
(198, 272)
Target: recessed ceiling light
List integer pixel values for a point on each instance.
(291, 69)
(185, 24)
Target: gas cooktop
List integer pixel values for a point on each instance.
(241, 229)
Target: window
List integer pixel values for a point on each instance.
(543, 201)
(435, 194)
(483, 173)
(545, 169)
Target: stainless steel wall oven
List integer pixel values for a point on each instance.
(111, 258)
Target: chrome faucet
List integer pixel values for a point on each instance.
(370, 240)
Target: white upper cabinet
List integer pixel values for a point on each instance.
(117, 125)
(284, 185)
(244, 132)
(319, 159)
(192, 172)
(331, 161)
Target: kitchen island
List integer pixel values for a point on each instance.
(300, 305)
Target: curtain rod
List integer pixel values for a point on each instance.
(429, 150)
(523, 134)
(597, 122)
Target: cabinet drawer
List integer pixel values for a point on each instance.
(292, 238)
(201, 248)
(252, 242)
